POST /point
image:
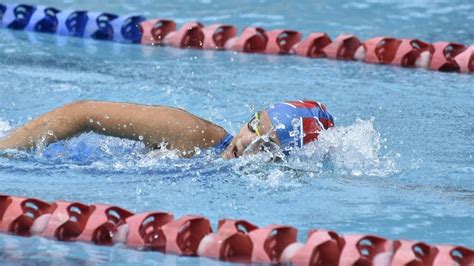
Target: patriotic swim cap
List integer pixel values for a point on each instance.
(299, 122)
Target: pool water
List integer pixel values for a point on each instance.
(399, 162)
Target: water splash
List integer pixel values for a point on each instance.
(4, 127)
(97, 153)
(354, 150)
(91, 149)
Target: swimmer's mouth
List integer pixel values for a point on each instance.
(235, 152)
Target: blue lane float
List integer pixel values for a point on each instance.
(77, 23)
(16, 17)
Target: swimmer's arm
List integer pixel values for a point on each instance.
(55, 125)
(153, 125)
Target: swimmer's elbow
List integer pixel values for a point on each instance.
(78, 111)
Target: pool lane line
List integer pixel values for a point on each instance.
(234, 241)
(136, 29)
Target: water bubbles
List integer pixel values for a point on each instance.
(50, 132)
(356, 172)
(98, 123)
(251, 107)
(91, 120)
(140, 138)
(197, 151)
(355, 149)
(4, 126)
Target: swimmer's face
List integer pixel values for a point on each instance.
(247, 135)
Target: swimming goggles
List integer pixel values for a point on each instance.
(263, 143)
(254, 123)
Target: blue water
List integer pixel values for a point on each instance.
(398, 164)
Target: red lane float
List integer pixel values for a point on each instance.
(465, 60)
(231, 242)
(217, 35)
(190, 35)
(103, 224)
(269, 242)
(156, 30)
(252, 40)
(412, 253)
(184, 235)
(145, 230)
(281, 41)
(17, 215)
(235, 240)
(450, 255)
(409, 51)
(343, 48)
(362, 249)
(313, 45)
(444, 54)
(68, 220)
(381, 50)
(321, 248)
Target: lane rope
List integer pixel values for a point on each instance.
(136, 29)
(234, 241)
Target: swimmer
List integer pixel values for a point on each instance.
(281, 127)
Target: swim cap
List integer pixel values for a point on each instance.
(299, 122)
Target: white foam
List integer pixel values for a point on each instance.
(354, 150)
(4, 127)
